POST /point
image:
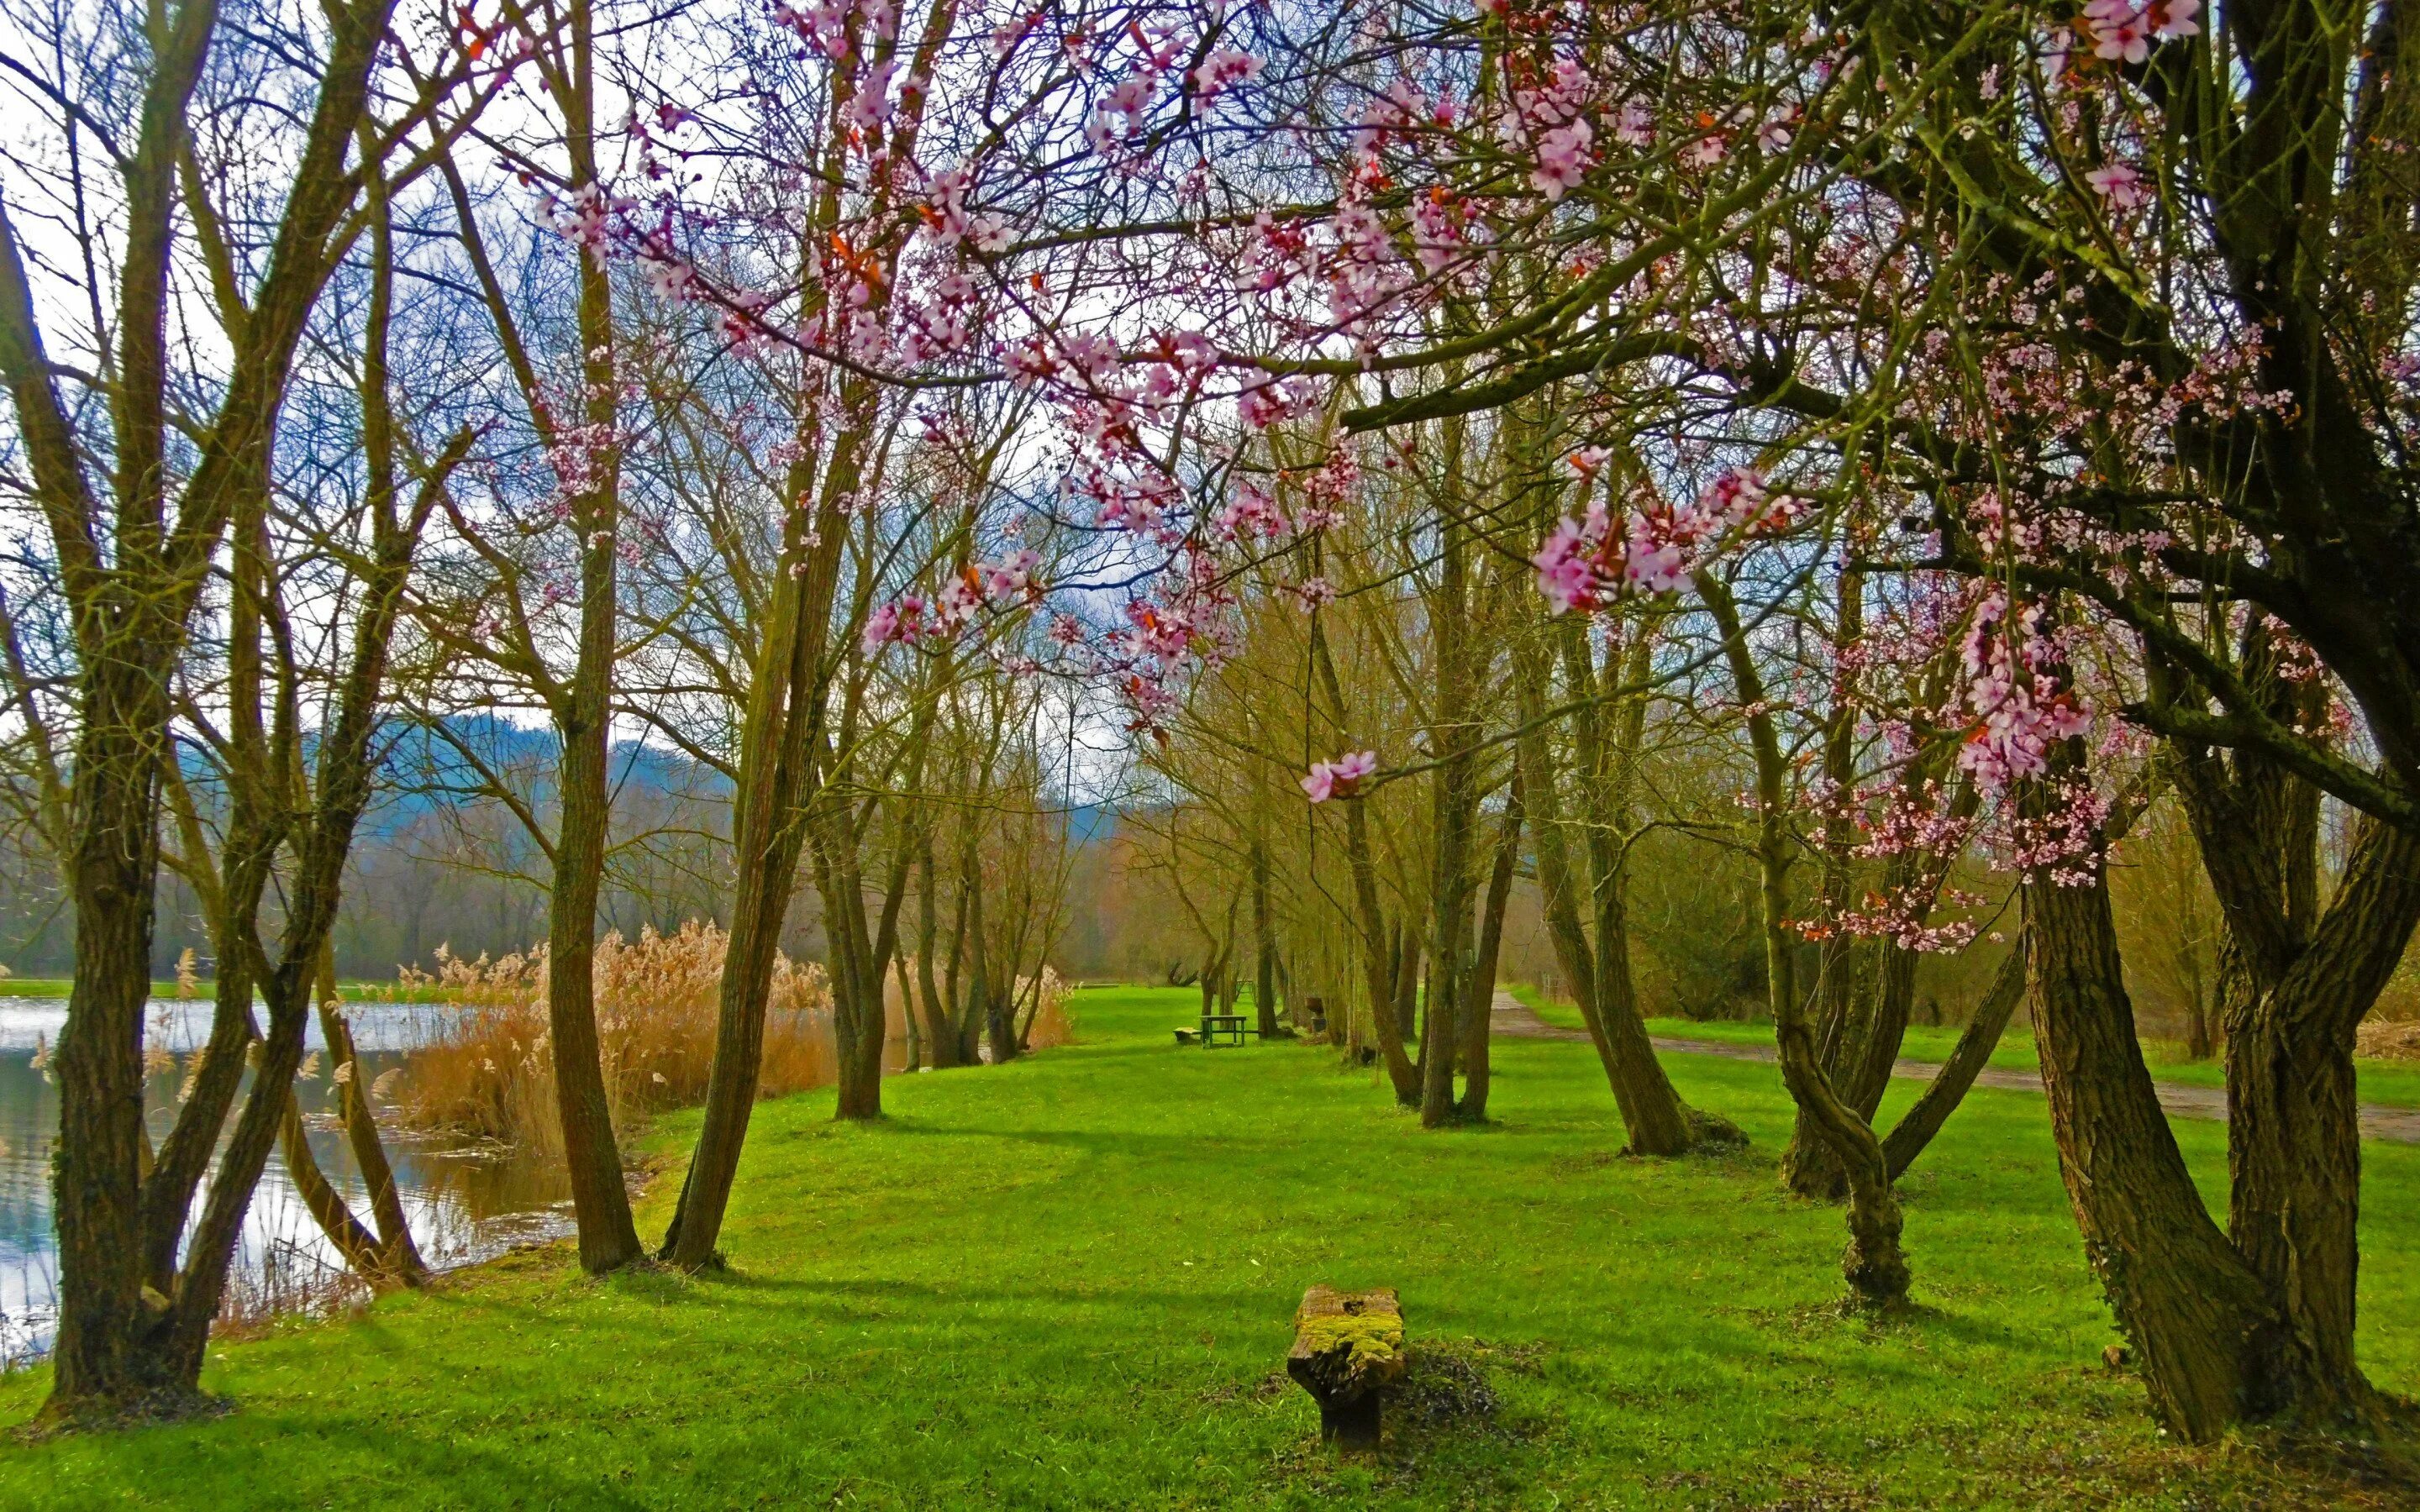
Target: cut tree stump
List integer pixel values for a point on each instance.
(1348, 1353)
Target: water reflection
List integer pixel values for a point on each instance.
(465, 1205)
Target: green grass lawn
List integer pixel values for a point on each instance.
(62, 986)
(1067, 1284)
(2394, 1084)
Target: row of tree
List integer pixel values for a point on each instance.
(1908, 444)
(337, 447)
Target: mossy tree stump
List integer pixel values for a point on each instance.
(1348, 1353)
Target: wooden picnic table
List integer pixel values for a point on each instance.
(1216, 1027)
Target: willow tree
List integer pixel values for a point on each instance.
(137, 512)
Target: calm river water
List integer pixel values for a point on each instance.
(465, 1205)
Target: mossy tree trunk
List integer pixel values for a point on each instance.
(1598, 967)
(1481, 998)
(2303, 975)
(1874, 1265)
(1264, 945)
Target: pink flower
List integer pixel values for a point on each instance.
(1313, 592)
(901, 620)
(1224, 70)
(1654, 565)
(1564, 157)
(1193, 352)
(881, 627)
(1011, 578)
(871, 107)
(1338, 778)
(1564, 575)
(2119, 184)
(1253, 512)
(956, 602)
(2123, 30)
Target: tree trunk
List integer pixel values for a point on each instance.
(1658, 1122)
(184, 1156)
(2196, 1316)
(96, 1164)
(1385, 1020)
(584, 716)
(1873, 1264)
(2295, 982)
(941, 1029)
(859, 965)
(1449, 948)
(600, 1201)
(1481, 996)
(2294, 1126)
(775, 787)
(398, 1256)
(913, 1056)
(1388, 993)
(1265, 948)
(1949, 1088)
(358, 1245)
(1453, 795)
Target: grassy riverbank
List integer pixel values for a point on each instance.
(62, 986)
(1067, 1283)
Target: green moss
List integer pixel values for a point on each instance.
(1376, 1339)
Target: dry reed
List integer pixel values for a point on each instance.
(1052, 1024)
(488, 1074)
(2389, 1040)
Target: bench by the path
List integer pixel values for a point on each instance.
(1514, 1018)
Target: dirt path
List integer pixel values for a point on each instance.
(1513, 1018)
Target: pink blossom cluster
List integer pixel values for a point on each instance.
(1340, 777)
(1222, 70)
(586, 217)
(1904, 917)
(2122, 31)
(936, 320)
(2063, 842)
(1267, 401)
(2014, 691)
(1187, 620)
(1115, 126)
(911, 620)
(1252, 514)
(1586, 563)
(826, 25)
(1551, 115)
(948, 222)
